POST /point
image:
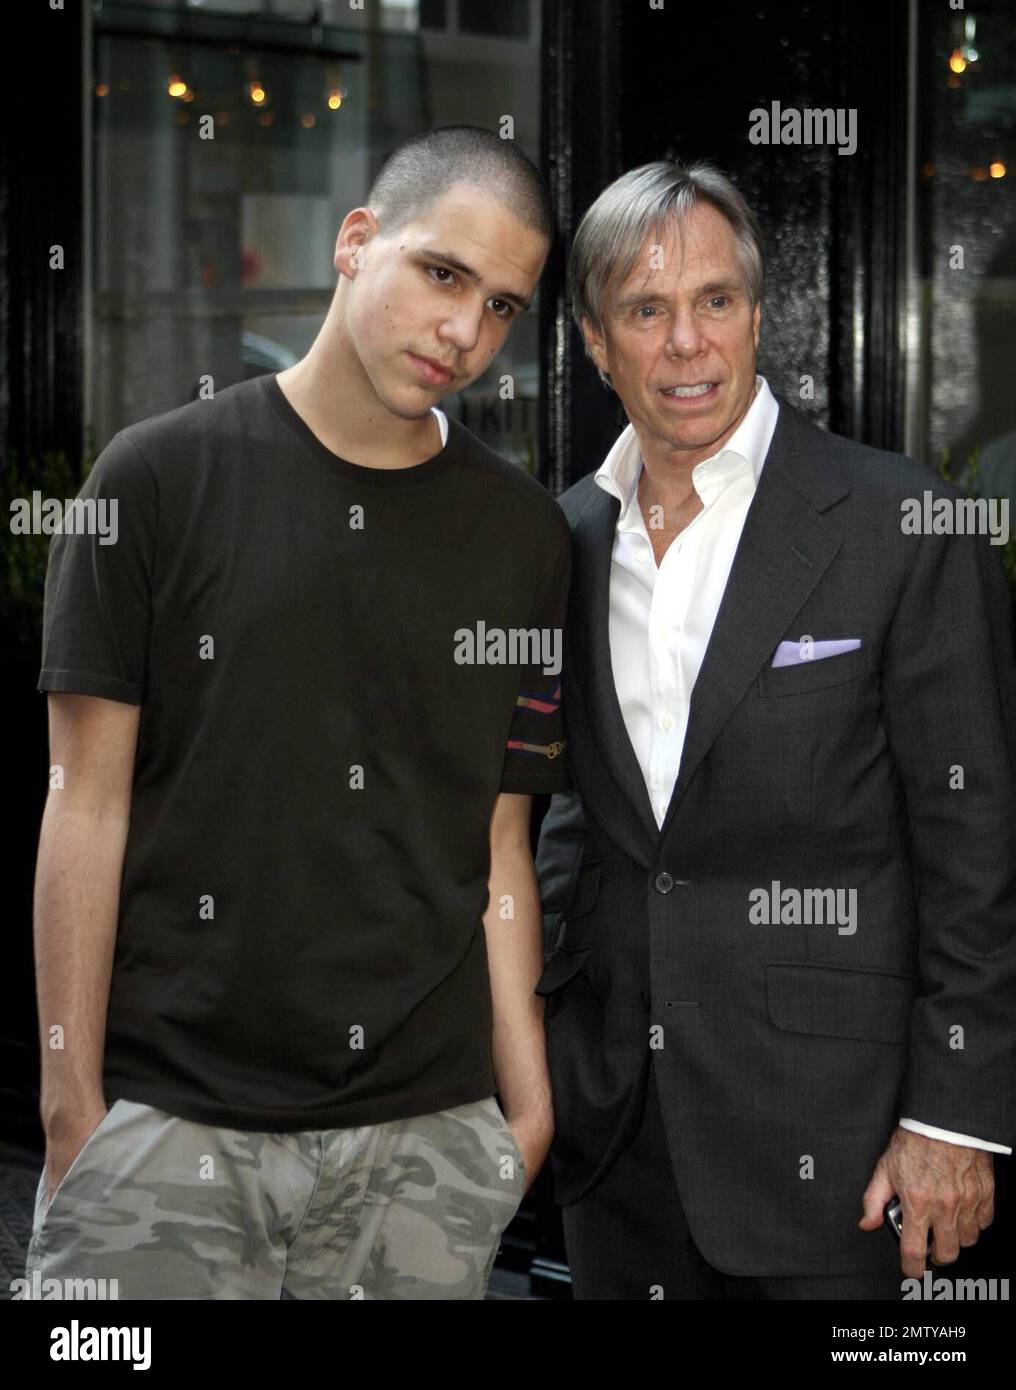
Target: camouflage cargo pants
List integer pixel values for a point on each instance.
(408, 1209)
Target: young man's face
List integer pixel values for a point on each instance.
(679, 336)
(429, 305)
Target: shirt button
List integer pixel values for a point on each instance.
(666, 723)
(664, 882)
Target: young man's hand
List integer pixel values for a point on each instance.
(514, 933)
(66, 1137)
(534, 1133)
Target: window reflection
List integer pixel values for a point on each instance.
(963, 416)
(229, 143)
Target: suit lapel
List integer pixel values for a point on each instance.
(785, 547)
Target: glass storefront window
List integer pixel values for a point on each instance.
(961, 396)
(228, 145)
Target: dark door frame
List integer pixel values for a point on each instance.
(583, 143)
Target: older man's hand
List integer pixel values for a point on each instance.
(945, 1190)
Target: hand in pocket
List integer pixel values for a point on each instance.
(65, 1141)
(532, 1135)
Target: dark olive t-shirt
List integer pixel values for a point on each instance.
(328, 716)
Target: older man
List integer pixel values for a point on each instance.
(781, 992)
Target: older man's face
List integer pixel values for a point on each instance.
(679, 336)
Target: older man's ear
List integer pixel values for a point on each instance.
(596, 348)
(594, 343)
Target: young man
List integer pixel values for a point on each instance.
(286, 787)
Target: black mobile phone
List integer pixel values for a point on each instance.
(893, 1213)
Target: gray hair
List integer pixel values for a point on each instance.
(613, 231)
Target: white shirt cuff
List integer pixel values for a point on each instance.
(950, 1137)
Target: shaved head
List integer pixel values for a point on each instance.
(427, 166)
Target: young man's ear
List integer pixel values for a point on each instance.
(357, 229)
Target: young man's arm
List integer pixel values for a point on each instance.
(514, 933)
(77, 892)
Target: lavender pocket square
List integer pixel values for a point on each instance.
(797, 653)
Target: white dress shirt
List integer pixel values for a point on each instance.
(661, 617)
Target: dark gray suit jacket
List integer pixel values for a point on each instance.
(789, 1051)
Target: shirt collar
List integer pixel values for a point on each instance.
(620, 471)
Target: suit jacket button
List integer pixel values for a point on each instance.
(646, 1001)
(664, 882)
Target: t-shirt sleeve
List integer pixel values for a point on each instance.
(97, 611)
(535, 756)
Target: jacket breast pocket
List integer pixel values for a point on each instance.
(822, 673)
(835, 1002)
